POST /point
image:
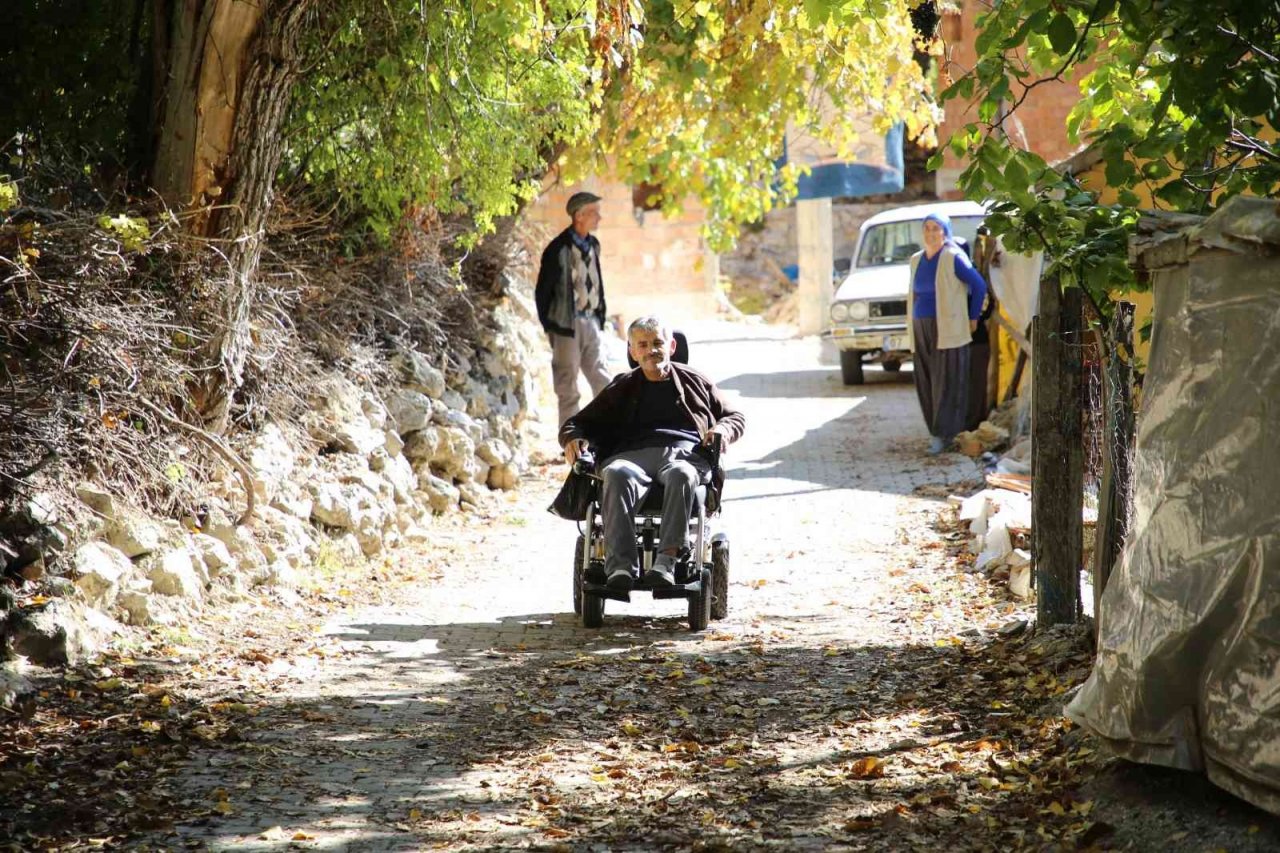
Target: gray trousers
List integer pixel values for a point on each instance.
(582, 352)
(942, 380)
(627, 477)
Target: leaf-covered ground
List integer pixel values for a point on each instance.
(867, 692)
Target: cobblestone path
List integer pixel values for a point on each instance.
(460, 717)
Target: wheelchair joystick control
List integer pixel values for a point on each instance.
(585, 463)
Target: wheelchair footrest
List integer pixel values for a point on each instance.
(680, 590)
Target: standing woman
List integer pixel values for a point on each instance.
(945, 302)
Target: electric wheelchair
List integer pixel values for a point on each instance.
(701, 570)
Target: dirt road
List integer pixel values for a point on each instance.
(865, 692)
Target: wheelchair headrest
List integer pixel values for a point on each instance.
(681, 354)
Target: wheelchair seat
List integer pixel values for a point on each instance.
(651, 503)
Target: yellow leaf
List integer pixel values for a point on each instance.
(731, 763)
(867, 768)
(415, 814)
(1055, 808)
(109, 684)
(701, 682)
(302, 836)
(275, 833)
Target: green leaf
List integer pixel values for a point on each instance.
(1062, 34)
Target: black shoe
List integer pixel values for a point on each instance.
(620, 581)
(660, 576)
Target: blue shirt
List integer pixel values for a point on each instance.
(583, 243)
(924, 288)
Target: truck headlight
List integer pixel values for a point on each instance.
(839, 312)
(858, 311)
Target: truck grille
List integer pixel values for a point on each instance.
(891, 308)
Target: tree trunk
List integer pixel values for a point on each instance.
(228, 69)
(1114, 504)
(1057, 458)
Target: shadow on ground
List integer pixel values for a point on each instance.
(641, 737)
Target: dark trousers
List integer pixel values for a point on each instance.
(942, 380)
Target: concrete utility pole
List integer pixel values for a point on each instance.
(817, 257)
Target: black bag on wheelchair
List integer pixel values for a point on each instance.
(574, 497)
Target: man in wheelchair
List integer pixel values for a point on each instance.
(663, 423)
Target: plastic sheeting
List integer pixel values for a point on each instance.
(1016, 282)
(1188, 667)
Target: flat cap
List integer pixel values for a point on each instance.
(577, 201)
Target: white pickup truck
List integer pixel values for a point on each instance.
(869, 311)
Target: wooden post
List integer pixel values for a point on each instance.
(1118, 423)
(1057, 463)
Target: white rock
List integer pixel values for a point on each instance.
(441, 494)
(297, 504)
(399, 473)
(137, 606)
(280, 574)
(394, 445)
(285, 537)
(214, 554)
(474, 429)
(374, 411)
(494, 451)
(503, 477)
(99, 569)
(242, 545)
(348, 506)
(476, 470)
(418, 373)
(42, 509)
(97, 499)
(409, 410)
(472, 493)
(271, 458)
(60, 633)
(135, 534)
(454, 401)
(423, 445)
(358, 436)
(455, 453)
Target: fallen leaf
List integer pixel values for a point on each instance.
(867, 768)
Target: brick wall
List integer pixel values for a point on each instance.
(1039, 123)
(651, 264)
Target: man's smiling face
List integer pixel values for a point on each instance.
(652, 351)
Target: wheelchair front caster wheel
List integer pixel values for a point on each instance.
(700, 604)
(592, 611)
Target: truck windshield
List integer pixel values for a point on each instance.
(896, 242)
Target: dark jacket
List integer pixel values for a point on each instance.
(554, 293)
(604, 419)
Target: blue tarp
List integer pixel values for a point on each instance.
(832, 180)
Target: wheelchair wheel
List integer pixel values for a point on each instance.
(592, 611)
(719, 578)
(577, 576)
(700, 604)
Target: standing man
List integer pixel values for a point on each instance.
(570, 298)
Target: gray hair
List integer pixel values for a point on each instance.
(649, 324)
